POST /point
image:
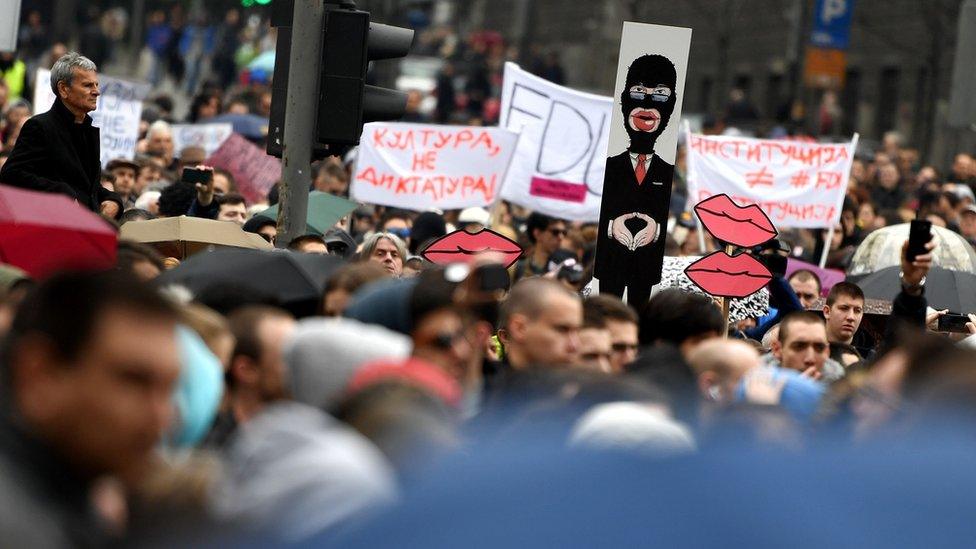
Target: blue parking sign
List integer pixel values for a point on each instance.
(832, 24)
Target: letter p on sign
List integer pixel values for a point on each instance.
(832, 9)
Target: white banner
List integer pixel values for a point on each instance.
(117, 114)
(8, 24)
(558, 166)
(798, 184)
(208, 136)
(422, 166)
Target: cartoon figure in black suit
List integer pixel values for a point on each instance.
(637, 186)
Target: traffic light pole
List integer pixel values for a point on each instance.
(299, 131)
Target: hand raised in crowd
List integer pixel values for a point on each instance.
(913, 272)
(812, 372)
(205, 191)
(620, 232)
(109, 209)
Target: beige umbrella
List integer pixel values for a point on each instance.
(184, 236)
(882, 249)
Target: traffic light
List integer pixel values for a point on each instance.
(345, 100)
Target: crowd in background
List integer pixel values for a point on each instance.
(289, 427)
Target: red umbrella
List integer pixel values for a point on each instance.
(42, 233)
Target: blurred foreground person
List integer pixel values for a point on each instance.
(679, 318)
(82, 399)
(621, 321)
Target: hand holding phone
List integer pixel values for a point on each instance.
(202, 178)
(918, 236)
(952, 322)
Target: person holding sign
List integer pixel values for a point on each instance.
(637, 186)
(58, 151)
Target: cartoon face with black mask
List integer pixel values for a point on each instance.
(647, 100)
(637, 185)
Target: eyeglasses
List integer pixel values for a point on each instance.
(660, 93)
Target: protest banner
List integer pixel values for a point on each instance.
(421, 166)
(254, 171)
(9, 24)
(641, 148)
(116, 116)
(558, 165)
(208, 136)
(797, 184)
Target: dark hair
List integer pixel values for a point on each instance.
(230, 198)
(273, 194)
(675, 315)
(538, 221)
(129, 253)
(432, 293)
(227, 297)
(394, 214)
(176, 199)
(135, 214)
(612, 308)
(243, 323)
(352, 276)
(229, 176)
(806, 274)
(593, 316)
(804, 317)
(66, 308)
(848, 289)
(199, 101)
(296, 243)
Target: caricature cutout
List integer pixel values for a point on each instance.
(637, 185)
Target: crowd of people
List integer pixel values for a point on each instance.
(138, 412)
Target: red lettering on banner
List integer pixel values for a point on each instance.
(485, 138)
(463, 136)
(378, 135)
(800, 180)
(828, 180)
(424, 161)
(762, 177)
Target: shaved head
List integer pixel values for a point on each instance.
(529, 297)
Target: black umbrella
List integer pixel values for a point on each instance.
(944, 289)
(295, 279)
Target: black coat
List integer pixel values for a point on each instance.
(47, 158)
(622, 195)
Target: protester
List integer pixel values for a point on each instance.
(802, 346)
(806, 285)
(843, 312)
(83, 399)
(621, 322)
(256, 373)
(539, 325)
(73, 168)
(545, 235)
(681, 319)
(595, 348)
(386, 249)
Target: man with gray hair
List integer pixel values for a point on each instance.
(58, 151)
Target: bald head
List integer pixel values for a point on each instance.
(720, 364)
(529, 297)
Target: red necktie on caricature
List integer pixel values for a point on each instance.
(640, 170)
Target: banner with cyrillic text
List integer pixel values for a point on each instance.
(558, 166)
(798, 184)
(117, 114)
(208, 136)
(423, 166)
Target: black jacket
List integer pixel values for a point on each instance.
(54, 154)
(621, 195)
